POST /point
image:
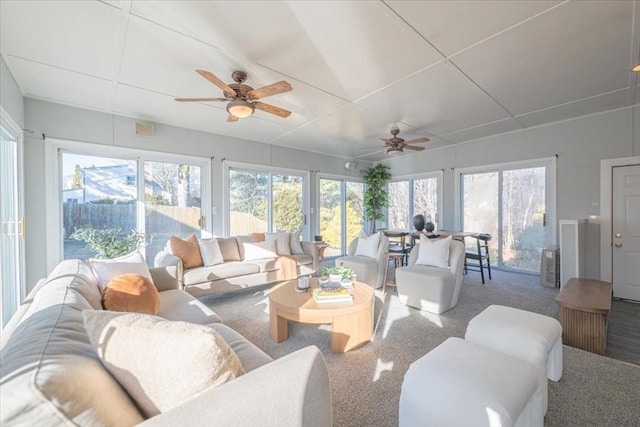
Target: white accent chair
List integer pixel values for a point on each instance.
(432, 289)
(369, 270)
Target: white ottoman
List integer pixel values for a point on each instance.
(460, 383)
(529, 336)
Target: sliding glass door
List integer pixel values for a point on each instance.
(341, 213)
(515, 204)
(11, 222)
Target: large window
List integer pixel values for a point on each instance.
(341, 213)
(514, 203)
(411, 197)
(154, 195)
(264, 201)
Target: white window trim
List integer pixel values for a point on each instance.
(226, 203)
(12, 126)
(53, 170)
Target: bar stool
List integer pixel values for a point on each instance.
(396, 257)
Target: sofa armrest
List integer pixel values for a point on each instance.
(165, 278)
(165, 259)
(310, 249)
(290, 391)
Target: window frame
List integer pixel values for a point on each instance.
(54, 148)
(439, 175)
(229, 165)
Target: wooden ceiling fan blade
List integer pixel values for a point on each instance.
(417, 140)
(411, 147)
(272, 109)
(269, 90)
(216, 81)
(232, 118)
(200, 99)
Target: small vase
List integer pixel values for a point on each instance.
(418, 222)
(430, 227)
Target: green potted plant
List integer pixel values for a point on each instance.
(375, 193)
(338, 273)
(109, 242)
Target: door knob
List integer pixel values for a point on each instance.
(618, 235)
(618, 244)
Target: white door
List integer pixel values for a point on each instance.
(11, 223)
(626, 232)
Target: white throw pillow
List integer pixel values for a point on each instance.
(160, 363)
(210, 252)
(283, 239)
(368, 246)
(107, 269)
(294, 243)
(259, 250)
(434, 252)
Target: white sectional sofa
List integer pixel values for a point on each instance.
(51, 374)
(237, 270)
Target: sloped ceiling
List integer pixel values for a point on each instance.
(449, 70)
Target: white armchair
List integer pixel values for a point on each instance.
(369, 270)
(433, 289)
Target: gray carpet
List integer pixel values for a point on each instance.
(365, 383)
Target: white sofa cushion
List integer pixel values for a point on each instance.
(434, 252)
(160, 363)
(368, 246)
(210, 252)
(108, 269)
(259, 250)
(220, 271)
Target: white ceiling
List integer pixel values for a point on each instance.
(449, 70)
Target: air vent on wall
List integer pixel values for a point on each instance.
(144, 129)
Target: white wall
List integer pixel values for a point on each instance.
(579, 143)
(11, 95)
(68, 123)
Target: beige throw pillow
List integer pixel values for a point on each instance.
(283, 245)
(229, 249)
(160, 363)
(188, 250)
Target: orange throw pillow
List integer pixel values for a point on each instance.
(187, 250)
(132, 293)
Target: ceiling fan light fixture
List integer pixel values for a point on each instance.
(394, 151)
(636, 68)
(240, 108)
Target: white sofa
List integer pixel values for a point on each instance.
(236, 272)
(51, 374)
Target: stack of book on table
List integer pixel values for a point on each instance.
(332, 295)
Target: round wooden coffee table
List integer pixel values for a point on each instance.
(351, 322)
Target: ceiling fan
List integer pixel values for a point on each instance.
(397, 145)
(242, 98)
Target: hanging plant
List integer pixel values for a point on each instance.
(375, 193)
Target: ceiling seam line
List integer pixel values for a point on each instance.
(119, 52)
(82, 73)
(450, 61)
